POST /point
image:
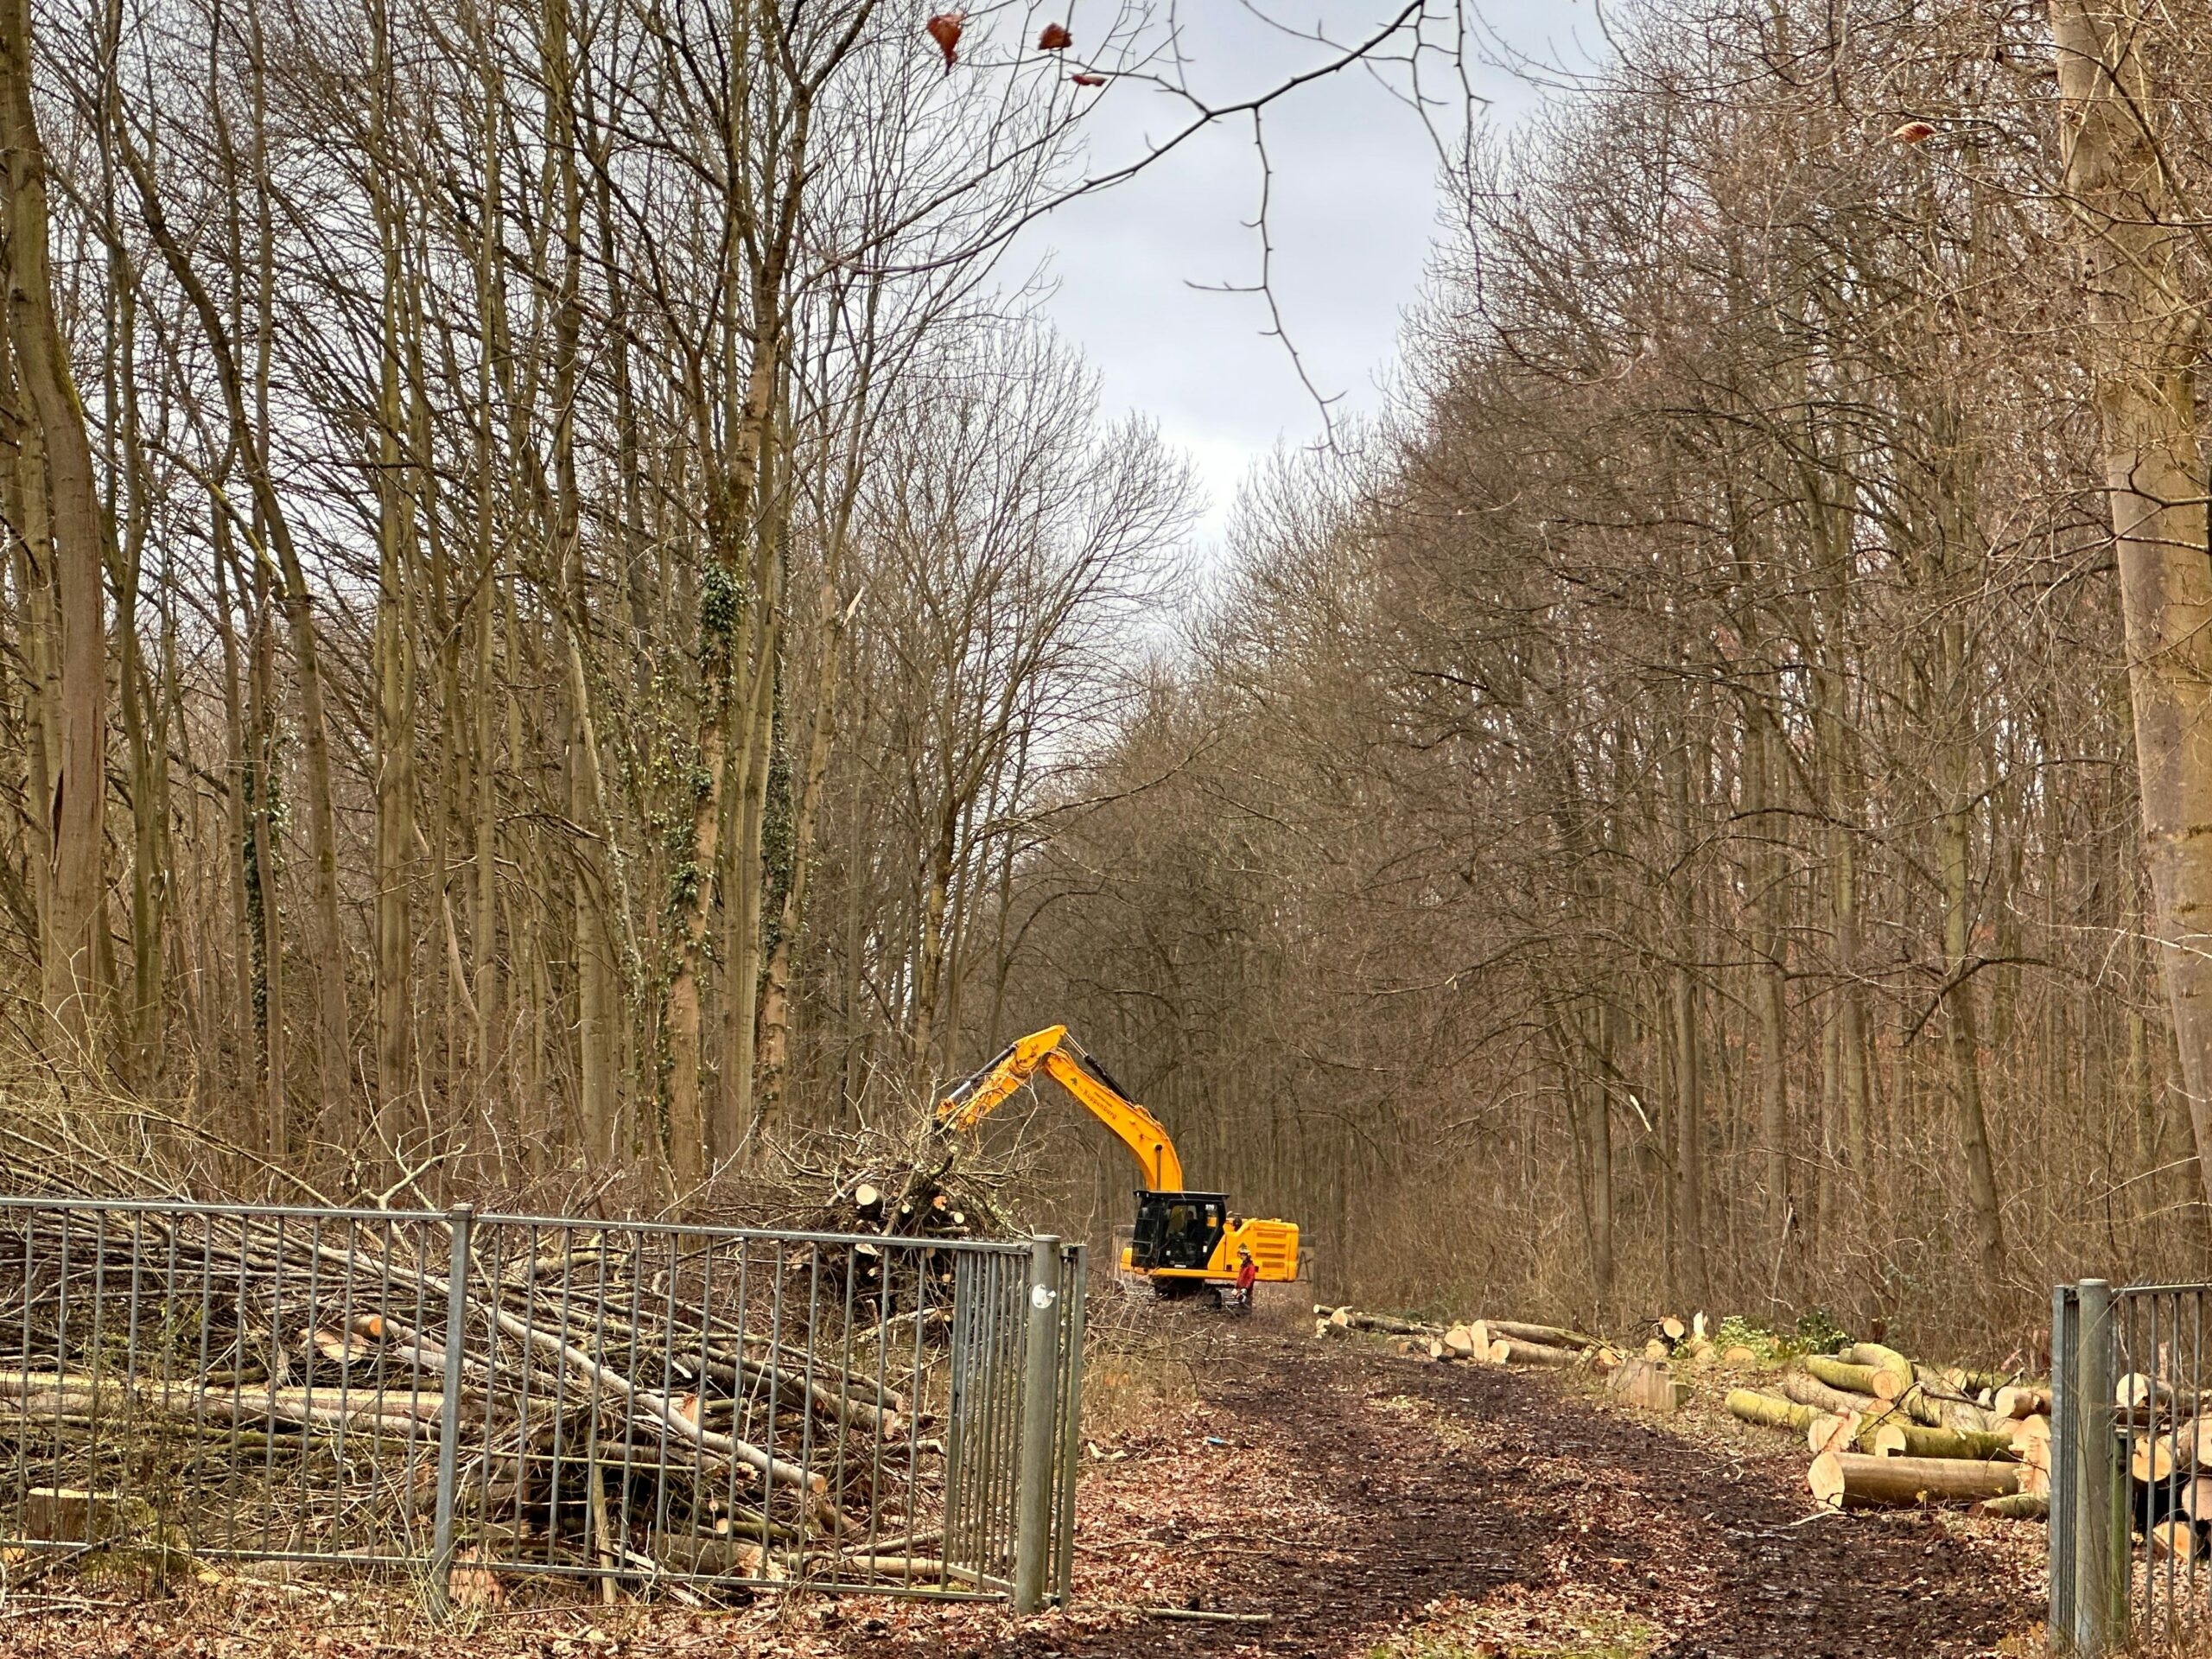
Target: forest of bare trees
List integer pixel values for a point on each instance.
(605, 635)
(1656, 822)
(565, 559)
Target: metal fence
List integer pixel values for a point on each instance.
(2130, 1494)
(451, 1396)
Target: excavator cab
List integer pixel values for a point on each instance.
(1176, 1229)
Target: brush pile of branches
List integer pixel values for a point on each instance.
(634, 1398)
(639, 1400)
(875, 1181)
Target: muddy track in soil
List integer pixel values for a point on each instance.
(1459, 1482)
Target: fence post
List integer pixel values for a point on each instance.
(1033, 1523)
(459, 1219)
(2100, 1571)
(2065, 1358)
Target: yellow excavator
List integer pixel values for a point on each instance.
(1186, 1243)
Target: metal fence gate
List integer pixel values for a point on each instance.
(449, 1394)
(2130, 1490)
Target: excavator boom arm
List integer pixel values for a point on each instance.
(1138, 1130)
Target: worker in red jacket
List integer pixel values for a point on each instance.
(1247, 1275)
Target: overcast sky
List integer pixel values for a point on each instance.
(1354, 212)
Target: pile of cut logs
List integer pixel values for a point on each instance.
(1516, 1342)
(1494, 1342)
(2170, 1466)
(1882, 1429)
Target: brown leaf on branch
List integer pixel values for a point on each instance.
(1055, 38)
(1913, 132)
(1088, 80)
(945, 28)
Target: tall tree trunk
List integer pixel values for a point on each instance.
(238, 820)
(729, 626)
(742, 910)
(1602, 1205)
(1961, 1044)
(776, 977)
(1953, 835)
(39, 644)
(1585, 1066)
(597, 1007)
(70, 949)
(2145, 342)
(833, 613)
(1763, 774)
(1689, 1043)
(126, 467)
(395, 670)
(258, 787)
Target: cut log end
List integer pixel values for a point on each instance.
(1826, 1479)
(1832, 1430)
(2136, 1391)
(2174, 1541)
(2018, 1401)
(2151, 1461)
(2196, 1498)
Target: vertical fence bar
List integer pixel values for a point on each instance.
(459, 1219)
(2119, 1569)
(2065, 1357)
(965, 1272)
(2169, 1499)
(1006, 1329)
(1074, 1286)
(2096, 1584)
(2195, 1381)
(1033, 1493)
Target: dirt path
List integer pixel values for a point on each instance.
(1374, 1507)
(1368, 1502)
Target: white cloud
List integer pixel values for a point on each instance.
(1353, 213)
